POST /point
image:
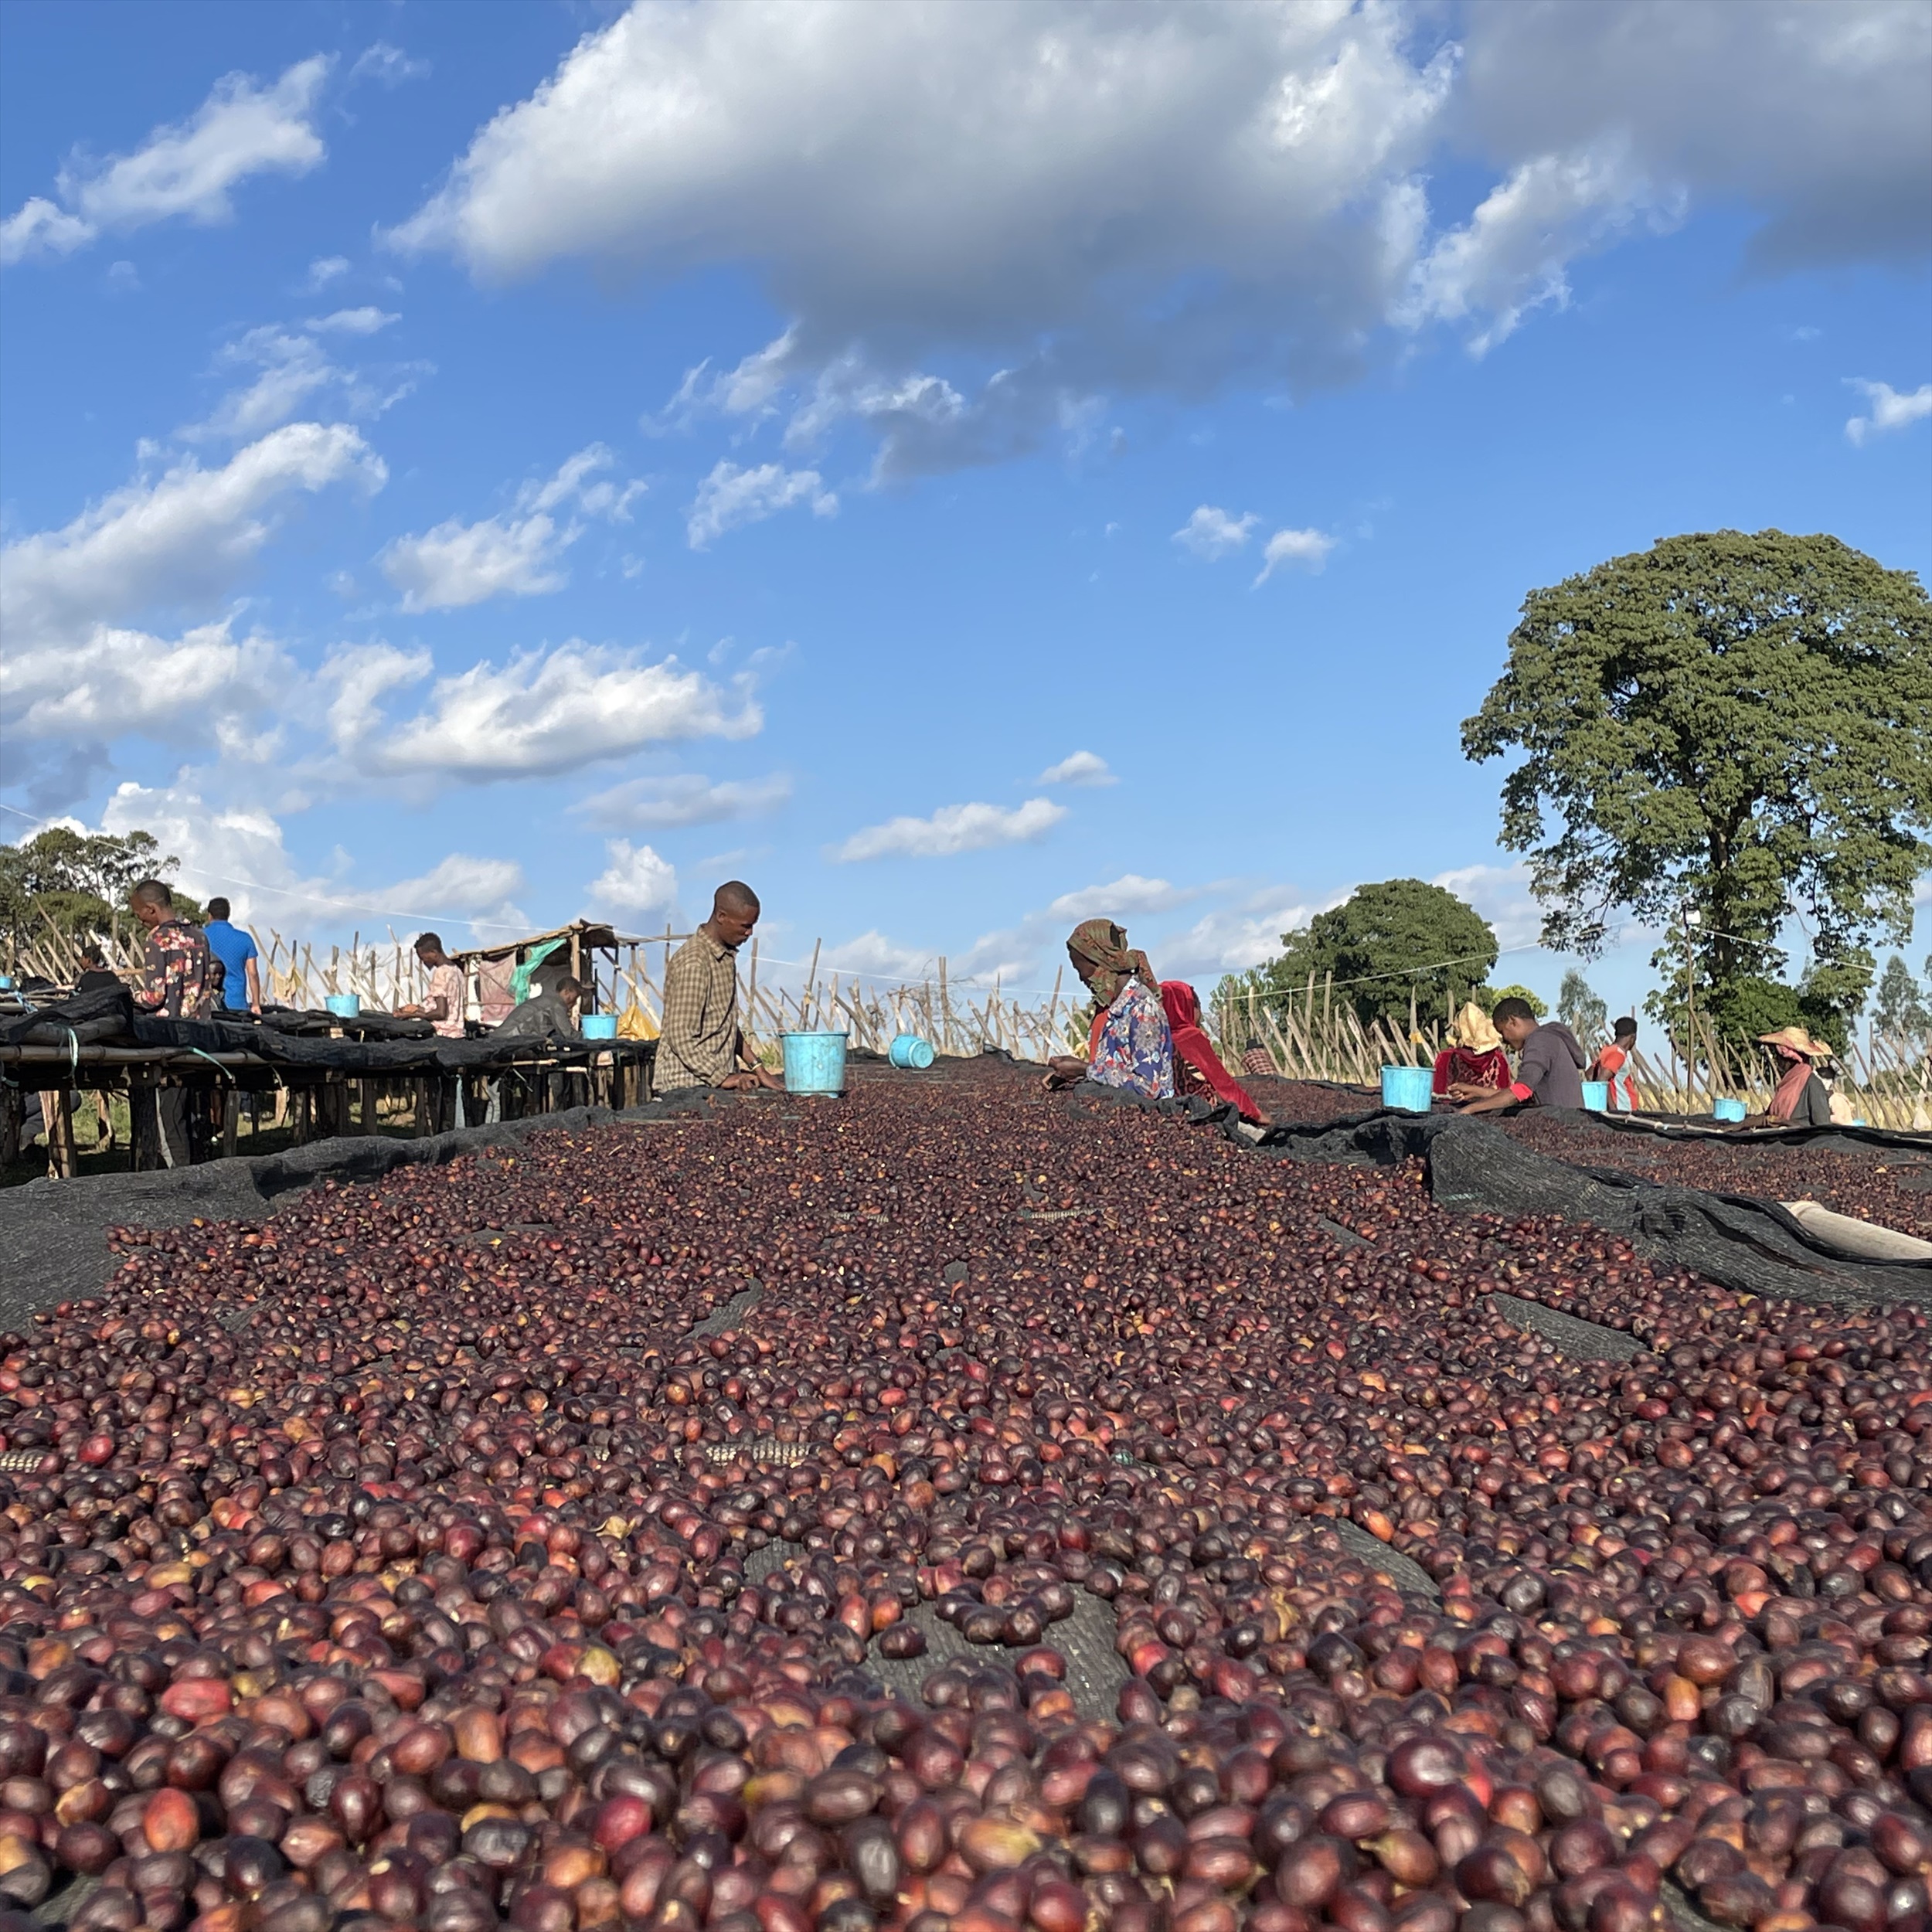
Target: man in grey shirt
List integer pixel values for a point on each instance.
(544, 1014)
(1549, 1063)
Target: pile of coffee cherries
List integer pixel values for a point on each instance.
(484, 1547)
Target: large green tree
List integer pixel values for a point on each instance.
(1738, 725)
(1383, 941)
(75, 882)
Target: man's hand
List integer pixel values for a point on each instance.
(1469, 1091)
(1064, 1069)
(1490, 1104)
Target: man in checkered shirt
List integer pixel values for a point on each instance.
(701, 1043)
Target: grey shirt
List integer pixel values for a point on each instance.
(1552, 1065)
(537, 1019)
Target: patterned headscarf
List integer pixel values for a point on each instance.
(1104, 946)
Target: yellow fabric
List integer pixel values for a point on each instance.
(1475, 1031)
(634, 1023)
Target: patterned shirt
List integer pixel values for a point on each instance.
(447, 984)
(698, 1045)
(1132, 1046)
(174, 971)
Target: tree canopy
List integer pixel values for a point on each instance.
(1580, 1009)
(1488, 996)
(1386, 940)
(1739, 724)
(76, 881)
(1898, 1010)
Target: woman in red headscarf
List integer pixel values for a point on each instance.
(1197, 1067)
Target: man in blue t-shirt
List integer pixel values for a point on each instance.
(236, 949)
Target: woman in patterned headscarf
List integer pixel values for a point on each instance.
(1130, 1044)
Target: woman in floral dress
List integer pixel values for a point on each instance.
(1130, 1045)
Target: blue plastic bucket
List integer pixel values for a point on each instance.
(1406, 1089)
(1597, 1096)
(815, 1063)
(344, 1005)
(1727, 1109)
(908, 1049)
(598, 1025)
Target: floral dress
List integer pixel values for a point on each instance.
(1132, 1046)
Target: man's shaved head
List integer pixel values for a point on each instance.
(734, 895)
(151, 891)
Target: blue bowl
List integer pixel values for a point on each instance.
(1597, 1096)
(1727, 1109)
(1405, 1090)
(598, 1025)
(344, 1005)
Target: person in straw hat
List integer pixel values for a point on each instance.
(1474, 1065)
(1801, 1099)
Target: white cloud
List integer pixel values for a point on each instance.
(636, 882)
(240, 851)
(978, 215)
(456, 564)
(390, 66)
(952, 829)
(1212, 533)
(1812, 117)
(325, 269)
(1501, 894)
(687, 798)
(1081, 768)
(235, 851)
(459, 883)
(1307, 549)
(295, 370)
(984, 175)
(872, 955)
(1014, 953)
(113, 682)
(241, 129)
(1119, 898)
(1889, 409)
(730, 496)
(1233, 938)
(521, 555)
(362, 675)
(1512, 255)
(546, 712)
(354, 322)
(184, 538)
(39, 227)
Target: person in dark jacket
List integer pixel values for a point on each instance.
(1549, 1063)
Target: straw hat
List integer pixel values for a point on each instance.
(1475, 1032)
(1797, 1039)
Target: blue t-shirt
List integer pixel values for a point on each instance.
(234, 948)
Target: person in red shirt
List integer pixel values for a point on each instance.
(1612, 1061)
(1475, 1064)
(1197, 1067)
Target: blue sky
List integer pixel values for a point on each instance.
(484, 465)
